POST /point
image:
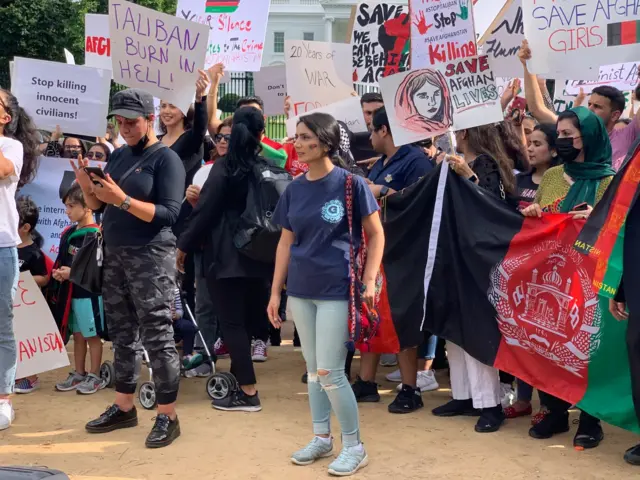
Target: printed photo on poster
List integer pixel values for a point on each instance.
(381, 41)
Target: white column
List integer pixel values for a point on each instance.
(328, 29)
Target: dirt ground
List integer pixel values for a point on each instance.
(49, 430)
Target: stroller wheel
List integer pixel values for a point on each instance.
(147, 395)
(108, 374)
(220, 385)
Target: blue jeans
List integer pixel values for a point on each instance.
(205, 312)
(8, 285)
(427, 349)
(323, 329)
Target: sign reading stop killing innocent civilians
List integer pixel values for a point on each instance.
(156, 52)
(97, 42)
(453, 96)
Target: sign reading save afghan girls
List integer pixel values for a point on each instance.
(72, 96)
(39, 344)
(442, 32)
(237, 30)
(427, 102)
(568, 36)
(97, 44)
(623, 76)
(156, 52)
(316, 74)
(380, 41)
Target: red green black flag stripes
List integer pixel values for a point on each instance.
(221, 6)
(512, 292)
(623, 33)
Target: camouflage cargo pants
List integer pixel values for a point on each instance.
(138, 291)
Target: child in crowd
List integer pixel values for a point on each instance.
(30, 259)
(185, 330)
(76, 310)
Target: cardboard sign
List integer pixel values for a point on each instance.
(574, 37)
(156, 52)
(623, 76)
(97, 42)
(39, 345)
(454, 96)
(442, 32)
(348, 111)
(380, 41)
(53, 179)
(237, 30)
(72, 96)
(563, 101)
(502, 41)
(317, 74)
(270, 85)
(202, 174)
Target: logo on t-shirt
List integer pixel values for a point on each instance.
(333, 211)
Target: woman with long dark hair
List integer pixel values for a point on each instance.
(238, 285)
(542, 156)
(18, 164)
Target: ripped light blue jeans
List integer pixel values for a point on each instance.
(323, 329)
(8, 285)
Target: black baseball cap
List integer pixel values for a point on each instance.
(132, 103)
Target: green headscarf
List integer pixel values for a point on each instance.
(597, 161)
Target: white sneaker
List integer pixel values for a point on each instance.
(7, 414)
(394, 376)
(425, 381)
(259, 351)
(507, 395)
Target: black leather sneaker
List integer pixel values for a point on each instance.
(455, 408)
(113, 419)
(408, 400)
(589, 434)
(365, 391)
(164, 432)
(632, 456)
(552, 424)
(491, 419)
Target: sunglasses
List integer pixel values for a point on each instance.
(220, 136)
(96, 155)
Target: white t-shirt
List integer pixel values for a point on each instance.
(12, 151)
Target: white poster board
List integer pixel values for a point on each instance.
(441, 32)
(381, 32)
(502, 41)
(623, 76)
(427, 102)
(563, 101)
(72, 96)
(156, 52)
(270, 84)
(237, 30)
(484, 13)
(574, 37)
(39, 345)
(348, 111)
(202, 174)
(97, 42)
(317, 74)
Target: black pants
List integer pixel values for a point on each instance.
(631, 280)
(242, 307)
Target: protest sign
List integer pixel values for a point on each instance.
(563, 101)
(52, 181)
(576, 37)
(97, 42)
(442, 32)
(317, 74)
(68, 56)
(270, 84)
(453, 96)
(39, 345)
(348, 111)
(72, 96)
(502, 41)
(237, 30)
(623, 76)
(156, 52)
(380, 41)
(202, 174)
(484, 13)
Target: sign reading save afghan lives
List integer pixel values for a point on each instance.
(156, 52)
(97, 43)
(72, 96)
(39, 345)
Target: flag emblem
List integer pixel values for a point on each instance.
(623, 33)
(221, 6)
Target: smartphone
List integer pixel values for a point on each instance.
(581, 207)
(97, 172)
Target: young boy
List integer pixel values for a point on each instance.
(31, 259)
(76, 310)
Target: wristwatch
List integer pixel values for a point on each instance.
(125, 204)
(384, 191)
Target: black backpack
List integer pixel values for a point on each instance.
(257, 235)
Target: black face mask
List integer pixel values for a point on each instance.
(139, 147)
(566, 151)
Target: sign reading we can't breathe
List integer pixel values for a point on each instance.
(72, 96)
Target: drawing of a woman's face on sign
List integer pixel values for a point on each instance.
(423, 103)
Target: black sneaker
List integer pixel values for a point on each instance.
(408, 400)
(589, 434)
(164, 432)
(113, 419)
(238, 401)
(632, 456)
(552, 424)
(455, 408)
(365, 391)
(491, 419)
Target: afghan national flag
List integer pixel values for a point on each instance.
(623, 33)
(513, 292)
(221, 6)
(274, 151)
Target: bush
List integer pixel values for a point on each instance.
(228, 102)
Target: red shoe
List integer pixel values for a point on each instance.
(220, 349)
(511, 412)
(538, 417)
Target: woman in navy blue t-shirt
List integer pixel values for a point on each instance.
(313, 258)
